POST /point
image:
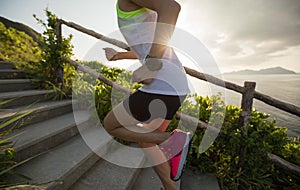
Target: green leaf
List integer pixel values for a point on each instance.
(15, 118)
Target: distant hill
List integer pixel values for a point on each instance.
(273, 70)
(22, 27)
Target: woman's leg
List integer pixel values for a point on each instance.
(163, 169)
(119, 123)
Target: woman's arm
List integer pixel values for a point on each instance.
(167, 11)
(113, 55)
(125, 55)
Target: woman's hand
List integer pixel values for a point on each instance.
(110, 54)
(143, 75)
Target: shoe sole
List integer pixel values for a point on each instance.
(183, 157)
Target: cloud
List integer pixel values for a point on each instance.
(247, 31)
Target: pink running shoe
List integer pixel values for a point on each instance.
(176, 149)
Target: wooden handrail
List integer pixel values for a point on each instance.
(200, 124)
(214, 80)
(99, 76)
(96, 35)
(290, 108)
(292, 168)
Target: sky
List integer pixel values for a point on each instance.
(239, 34)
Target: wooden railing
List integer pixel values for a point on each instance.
(248, 94)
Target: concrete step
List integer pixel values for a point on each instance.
(107, 174)
(42, 136)
(12, 74)
(193, 179)
(39, 112)
(148, 180)
(9, 85)
(27, 97)
(6, 65)
(60, 167)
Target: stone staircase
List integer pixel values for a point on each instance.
(62, 146)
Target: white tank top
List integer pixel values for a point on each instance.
(139, 34)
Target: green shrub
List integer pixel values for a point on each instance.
(104, 95)
(21, 27)
(252, 170)
(19, 48)
(7, 152)
(55, 55)
(40, 63)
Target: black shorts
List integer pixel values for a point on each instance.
(145, 107)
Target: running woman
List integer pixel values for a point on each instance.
(147, 26)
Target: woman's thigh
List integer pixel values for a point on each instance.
(119, 117)
(158, 124)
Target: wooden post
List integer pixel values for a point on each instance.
(59, 70)
(244, 120)
(247, 103)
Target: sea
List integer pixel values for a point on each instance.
(285, 87)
